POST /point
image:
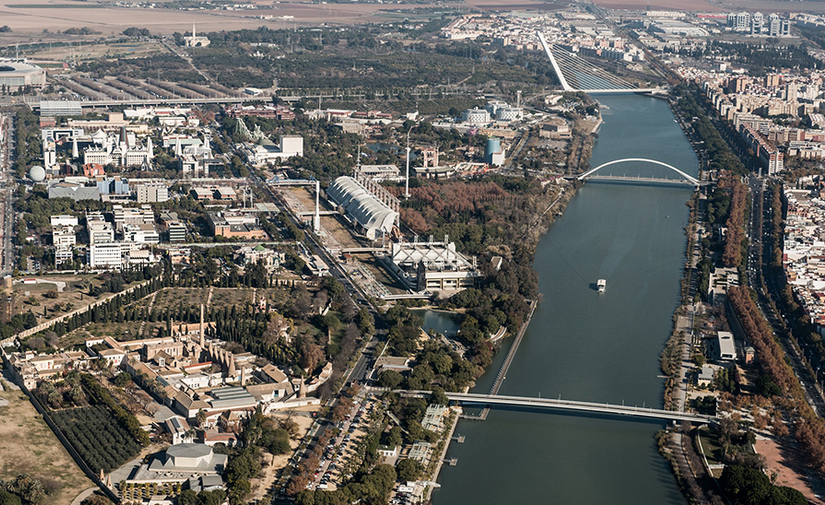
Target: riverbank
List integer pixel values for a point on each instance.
(544, 216)
(589, 346)
(676, 443)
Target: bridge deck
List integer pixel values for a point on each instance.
(589, 173)
(641, 179)
(553, 403)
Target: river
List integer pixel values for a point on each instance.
(583, 345)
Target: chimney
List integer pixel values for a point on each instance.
(243, 376)
(316, 225)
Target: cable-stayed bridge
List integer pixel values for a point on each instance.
(577, 74)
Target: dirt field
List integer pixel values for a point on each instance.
(60, 15)
(261, 485)
(95, 51)
(786, 464)
(193, 297)
(70, 295)
(29, 18)
(29, 446)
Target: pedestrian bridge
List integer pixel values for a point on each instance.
(682, 179)
(571, 405)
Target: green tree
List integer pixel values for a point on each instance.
(188, 497)
(409, 470)
(122, 379)
(390, 379)
(438, 397)
(7, 498)
(393, 437)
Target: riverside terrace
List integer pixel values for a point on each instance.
(569, 405)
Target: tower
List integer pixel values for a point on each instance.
(407, 179)
(316, 225)
(200, 329)
(231, 359)
(75, 152)
(149, 153)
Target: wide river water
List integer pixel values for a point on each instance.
(583, 345)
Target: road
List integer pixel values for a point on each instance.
(360, 371)
(7, 183)
(759, 255)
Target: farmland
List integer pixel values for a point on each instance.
(101, 442)
(36, 450)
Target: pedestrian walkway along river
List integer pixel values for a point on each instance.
(589, 346)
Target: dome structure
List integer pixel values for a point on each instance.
(37, 173)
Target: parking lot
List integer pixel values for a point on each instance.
(341, 448)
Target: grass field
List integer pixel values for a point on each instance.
(29, 446)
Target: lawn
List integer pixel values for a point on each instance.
(710, 442)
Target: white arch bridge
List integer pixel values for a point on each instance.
(683, 177)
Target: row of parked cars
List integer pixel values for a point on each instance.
(338, 446)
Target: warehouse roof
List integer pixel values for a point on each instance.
(373, 215)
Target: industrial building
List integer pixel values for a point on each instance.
(74, 191)
(54, 108)
(381, 173)
(234, 224)
(17, 73)
(373, 211)
(432, 266)
(494, 155)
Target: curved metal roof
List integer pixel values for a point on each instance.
(371, 213)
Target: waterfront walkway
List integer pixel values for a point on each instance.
(502, 372)
(559, 404)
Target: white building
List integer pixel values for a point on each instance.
(725, 346)
(509, 114)
(151, 192)
(131, 215)
(18, 73)
(63, 238)
(194, 40)
(432, 266)
(100, 231)
(63, 220)
(381, 173)
(370, 215)
(143, 233)
(476, 116)
(105, 256)
(267, 152)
